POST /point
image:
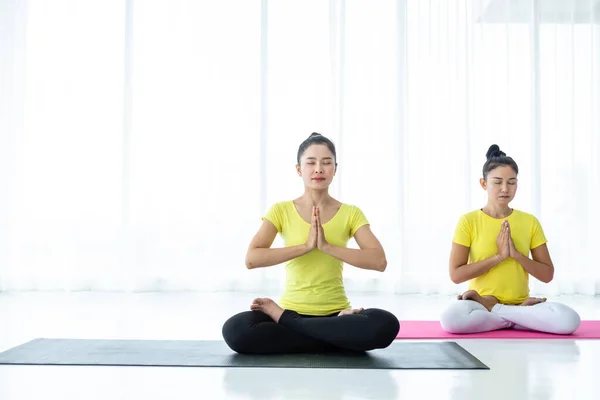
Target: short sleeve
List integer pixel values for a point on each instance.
(538, 237)
(462, 232)
(275, 216)
(357, 220)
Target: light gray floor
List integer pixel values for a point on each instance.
(520, 369)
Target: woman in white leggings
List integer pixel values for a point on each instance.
(490, 249)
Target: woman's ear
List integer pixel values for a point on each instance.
(483, 183)
(298, 170)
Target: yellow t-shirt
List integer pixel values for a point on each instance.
(314, 283)
(508, 281)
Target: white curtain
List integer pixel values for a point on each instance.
(141, 141)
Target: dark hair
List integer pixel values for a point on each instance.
(316, 138)
(497, 158)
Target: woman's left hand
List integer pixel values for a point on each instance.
(321, 241)
(512, 250)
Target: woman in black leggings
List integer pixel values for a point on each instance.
(314, 314)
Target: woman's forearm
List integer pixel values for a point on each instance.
(469, 271)
(373, 259)
(265, 257)
(538, 270)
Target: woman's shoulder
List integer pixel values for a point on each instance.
(470, 215)
(473, 213)
(282, 205)
(520, 213)
(281, 208)
(350, 208)
(523, 215)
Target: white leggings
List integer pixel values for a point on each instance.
(468, 316)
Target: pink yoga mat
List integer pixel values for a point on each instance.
(433, 330)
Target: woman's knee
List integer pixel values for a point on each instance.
(235, 332)
(385, 327)
(454, 317)
(565, 321)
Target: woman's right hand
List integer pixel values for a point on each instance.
(311, 242)
(502, 241)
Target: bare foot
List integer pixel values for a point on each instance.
(533, 300)
(487, 301)
(267, 306)
(350, 311)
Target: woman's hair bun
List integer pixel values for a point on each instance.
(494, 151)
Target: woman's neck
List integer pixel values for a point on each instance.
(497, 211)
(317, 198)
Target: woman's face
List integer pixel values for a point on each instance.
(317, 166)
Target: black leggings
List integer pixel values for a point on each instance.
(254, 332)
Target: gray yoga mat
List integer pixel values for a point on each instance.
(191, 353)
